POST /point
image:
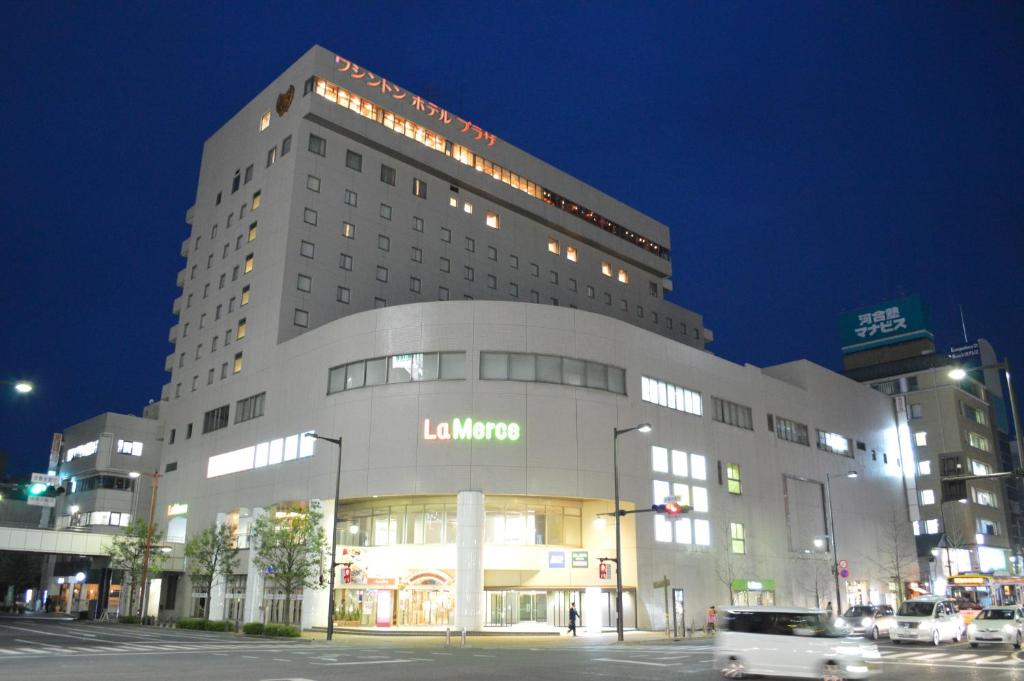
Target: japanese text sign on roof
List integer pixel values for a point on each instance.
(386, 88)
(894, 321)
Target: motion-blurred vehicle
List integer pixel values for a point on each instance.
(997, 624)
(870, 620)
(931, 619)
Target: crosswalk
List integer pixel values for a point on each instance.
(977, 658)
(138, 649)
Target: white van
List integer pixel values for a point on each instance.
(931, 619)
(793, 642)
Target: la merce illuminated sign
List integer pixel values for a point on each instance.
(468, 429)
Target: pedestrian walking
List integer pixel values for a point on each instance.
(829, 608)
(573, 616)
(712, 617)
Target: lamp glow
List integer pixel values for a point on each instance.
(958, 374)
(23, 387)
(134, 474)
(644, 427)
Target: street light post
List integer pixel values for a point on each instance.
(334, 534)
(616, 432)
(149, 543)
(832, 531)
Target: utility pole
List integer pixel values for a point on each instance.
(149, 542)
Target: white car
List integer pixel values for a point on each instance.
(871, 620)
(931, 619)
(996, 624)
(790, 642)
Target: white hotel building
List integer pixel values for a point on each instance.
(366, 265)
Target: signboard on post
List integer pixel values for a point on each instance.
(46, 479)
(42, 501)
(893, 321)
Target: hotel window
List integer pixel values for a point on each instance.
(387, 175)
(492, 220)
(654, 289)
(385, 211)
(492, 253)
(252, 232)
(927, 497)
(240, 333)
(446, 235)
(236, 367)
(348, 230)
(345, 262)
(534, 269)
(248, 174)
(443, 293)
(513, 289)
(416, 367)
(924, 467)
(216, 312)
(606, 268)
(513, 262)
(534, 297)
(317, 145)
(382, 274)
(215, 419)
(304, 283)
(623, 276)
(241, 211)
(378, 303)
(492, 281)
(417, 224)
(313, 183)
(446, 265)
(199, 350)
(383, 243)
(250, 408)
(977, 441)
(554, 247)
(353, 160)
(590, 291)
(667, 395)
(344, 294)
(255, 201)
(245, 295)
(218, 198)
(468, 273)
(309, 216)
(505, 366)
(453, 201)
(470, 244)
(414, 284)
(467, 207)
(249, 259)
(301, 318)
(417, 254)
(921, 438)
(572, 284)
(732, 476)
(788, 430)
(214, 343)
(271, 156)
(264, 121)
(834, 442)
(738, 538)
(570, 253)
(419, 188)
(351, 198)
(286, 145)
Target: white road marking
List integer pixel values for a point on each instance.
(480, 655)
(350, 664)
(612, 659)
(50, 633)
(992, 658)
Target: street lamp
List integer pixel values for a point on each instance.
(23, 387)
(616, 432)
(334, 534)
(959, 374)
(832, 530)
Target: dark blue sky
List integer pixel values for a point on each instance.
(809, 158)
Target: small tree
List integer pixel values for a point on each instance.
(209, 554)
(726, 571)
(128, 553)
(289, 546)
(895, 557)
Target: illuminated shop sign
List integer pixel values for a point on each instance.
(469, 429)
(177, 509)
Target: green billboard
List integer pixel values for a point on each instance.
(893, 321)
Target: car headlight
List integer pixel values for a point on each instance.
(866, 622)
(1007, 628)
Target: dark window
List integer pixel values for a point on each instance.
(235, 182)
(188, 431)
(172, 466)
(387, 175)
(286, 145)
(248, 174)
(317, 145)
(215, 419)
(250, 408)
(354, 160)
(419, 188)
(170, 440)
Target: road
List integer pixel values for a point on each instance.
(53, 649)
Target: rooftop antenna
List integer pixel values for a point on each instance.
(963, 324)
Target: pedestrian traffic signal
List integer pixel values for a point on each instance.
(670, 508)
(602, 571)
(346, 575)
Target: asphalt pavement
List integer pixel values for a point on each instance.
(49, 648)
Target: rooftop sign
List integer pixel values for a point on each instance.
(894, 321)
(468, 429)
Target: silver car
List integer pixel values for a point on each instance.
(997, 624)
(870, 620)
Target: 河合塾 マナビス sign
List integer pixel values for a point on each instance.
(893, 321)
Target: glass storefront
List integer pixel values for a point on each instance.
(753, 592)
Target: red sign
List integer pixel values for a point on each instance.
(381, 581)
(602, 570)
(346, 575)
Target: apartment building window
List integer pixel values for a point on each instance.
(344, 294)
(245, 295)
(791, 431)
(980, 467)
(986, 528)
(353, 160)
(252, 232)
(923, 467)
(192, 273)
(978, 442)
(304, 283)
(286, 145)
(387, 175)
(199, 350)
(834, 442)
(382, 274)
(467, 207)
(921, 438)
(417, 254)
(419, 188)
(737, 538)
(916, 411)
(170, 440)
(554, 247)
(414, 284)
(492, 281)
(215, 419)
(446, 235)
(983, 497)
(271, 156)
(256, 200)
(348, 230)
(492, 220)
(590, 291)
(217, 311)
(249, 260)
(606, 268)
(443, 293)
(446, 265)
(453, 201)
(351, 198)
(732, 478)
(237, 365)
(307, 249)
(209, 261)
(224, 368)
(181, 360)
(301, 318)
(383, 243)
(971, 414)
(345, 262)
(241, 329)
(248, 174)
(202, 319)
(309, 216)
(264, 121)
(468, 273)
(492, 253)
(378, 303)
(184, 331)
(238, 242)
(313, 183)
(218, 198)
(417, 224)
(224, 252)
(188, 301)
(177, 391)
(317, 145)
(513, 289)
(927, 497)
(214, 343)
(623, 276)
(672, 396)
(385, 211)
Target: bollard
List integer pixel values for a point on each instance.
(448, 637)
(463, 637)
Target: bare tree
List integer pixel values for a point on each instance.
(895, 556)
(726, 571)
(817, 579)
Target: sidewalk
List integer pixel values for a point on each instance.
(499, 638)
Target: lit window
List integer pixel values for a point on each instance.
(702, 532)
(931, 526)
(453, 202)
(684, 531)
(249, 263)
(467, 207)
(732, 475)
(245, 295)
(661, 491)
(492, 220)
(348, 230)
(680, 466)
(570, 253)
(738, 540)
(237, 366)
(924, 467)
(264, 121)
(271, 156)
(252, 232)
(623, 277)
(921, 439)
(927, 497)
(977, 441)
(240, 333)
(698, 467)
(662, 528)
(699, 497)
(255, 200)
(553, 246)
(659, 459)
(419, 189)
(606, 268)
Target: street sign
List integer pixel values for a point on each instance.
(843, 565)
(41, 501)
(580, 559)
(661, 583)
(45, 479)
(844, 573)
(556, 559)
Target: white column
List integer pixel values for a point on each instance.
(469, 561)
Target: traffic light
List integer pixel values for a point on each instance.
(670, 508)
(37, 488)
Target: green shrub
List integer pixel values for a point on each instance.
(191, 623)
(128, 619)
(280, 630)
(217, 625)
(253, 628)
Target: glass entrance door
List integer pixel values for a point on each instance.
(533, 606)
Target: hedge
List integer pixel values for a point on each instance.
(191, 623)
(253, 628)
(128, 619)
(218, 625)
(280, 630)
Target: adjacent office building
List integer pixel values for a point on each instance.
(474, 324)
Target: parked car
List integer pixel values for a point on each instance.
(870, 620)
(932, 619)
(790, 642)
(997, 624)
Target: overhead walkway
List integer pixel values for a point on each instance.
(37, 540)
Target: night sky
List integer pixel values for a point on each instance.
(809, 158)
